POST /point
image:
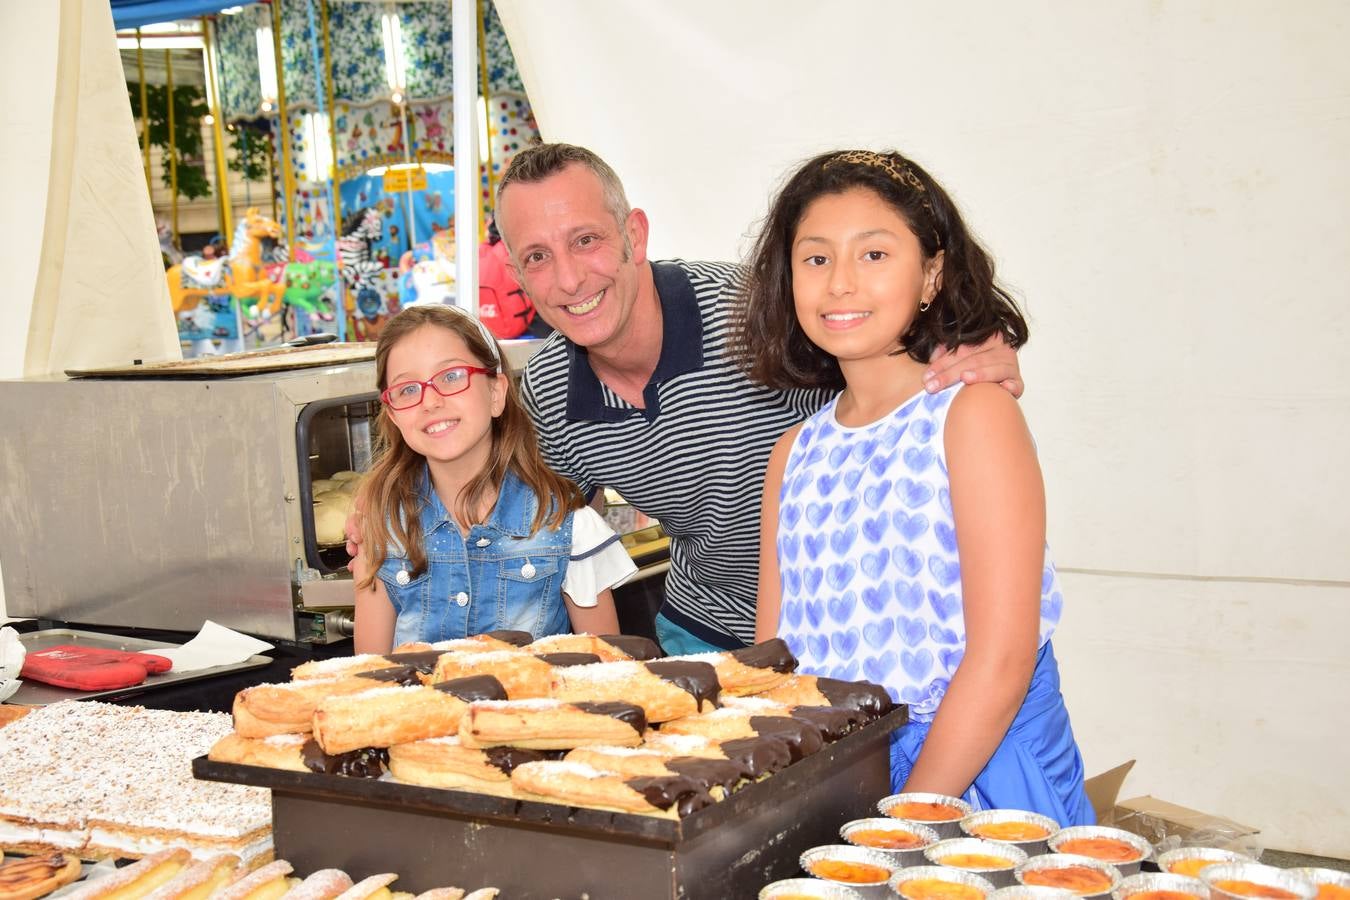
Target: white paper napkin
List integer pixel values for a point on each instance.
(12, 653)
(214, 645)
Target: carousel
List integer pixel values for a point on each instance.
(300, 157)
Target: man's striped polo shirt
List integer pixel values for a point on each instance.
(694, 458)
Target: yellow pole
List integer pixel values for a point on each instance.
(284, 128)
(272, 176)
(332, 118)
(217, 131)
(145, 112)
(487, 103)
(173, 147)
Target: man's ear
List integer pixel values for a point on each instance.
(636, 227)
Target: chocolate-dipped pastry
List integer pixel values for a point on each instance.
(424, 661)
(510, 636)
(863, 696)
(771, 654)
(664, 792)
(760, 756)
(812, 690)
(367, 762)
(548, 724)
(634, 646)
(473, 687)
(666, 689)
(563, 660)
(404, 676)
(624, 712)
(698, 679)
(802, 738)
(505, 759)
(724, 773)
(834, 722)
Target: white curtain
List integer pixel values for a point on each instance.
(1165, 186)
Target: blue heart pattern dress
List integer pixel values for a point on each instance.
(871, 589)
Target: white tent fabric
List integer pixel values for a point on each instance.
(100, 296)
(1164, 184)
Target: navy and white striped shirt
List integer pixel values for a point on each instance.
(694, 458)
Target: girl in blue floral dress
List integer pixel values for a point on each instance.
(903, 536)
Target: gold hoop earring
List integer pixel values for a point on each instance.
(923, 307)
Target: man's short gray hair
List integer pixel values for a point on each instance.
(534, 164)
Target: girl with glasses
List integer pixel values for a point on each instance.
(465, 530)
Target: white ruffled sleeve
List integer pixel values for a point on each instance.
(598, 561)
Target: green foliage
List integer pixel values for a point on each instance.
(189, 106)
(250, 153)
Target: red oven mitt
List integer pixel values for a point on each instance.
(91, 668)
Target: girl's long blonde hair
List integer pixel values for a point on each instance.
(390, 493)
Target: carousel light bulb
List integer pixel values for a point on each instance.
(209, 119)
(267, 106)
(396, 97)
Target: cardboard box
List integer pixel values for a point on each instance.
(1165, 825)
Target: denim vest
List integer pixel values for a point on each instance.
(502, 576)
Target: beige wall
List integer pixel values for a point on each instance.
(1165, 185)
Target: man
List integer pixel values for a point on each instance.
(638, 391)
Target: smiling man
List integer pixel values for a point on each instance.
(638, 390)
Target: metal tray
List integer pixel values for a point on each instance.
(35, 693)
(434, 836)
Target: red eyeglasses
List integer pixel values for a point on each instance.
(447, 383)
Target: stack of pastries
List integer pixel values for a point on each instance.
(580, 719)
(174, 875)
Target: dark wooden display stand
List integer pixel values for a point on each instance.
(541, 851)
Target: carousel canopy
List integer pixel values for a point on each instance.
(135, 13)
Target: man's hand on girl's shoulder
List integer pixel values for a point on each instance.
(992, 361)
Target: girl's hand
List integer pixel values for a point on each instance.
(992, 361)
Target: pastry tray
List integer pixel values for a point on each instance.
(435, 836)
(35, 693)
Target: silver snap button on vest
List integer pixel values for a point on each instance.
(527, 570)
(462, 598)
(482, 542)
(403, 577)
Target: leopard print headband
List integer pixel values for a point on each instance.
(896, 167)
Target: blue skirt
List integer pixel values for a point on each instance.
(1037, 766)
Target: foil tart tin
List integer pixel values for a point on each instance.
(850, 853)
(912, 856)
(808, 887)
(997, 877)
(1284, 879)
(1101, 831)
(1031, 847)
(1214, 854)
(1033, 892)
(1320, 877)
(1066, 860)
(941, 873)
(1159, 881)
(947, 829)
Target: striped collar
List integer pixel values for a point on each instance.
(681, 352)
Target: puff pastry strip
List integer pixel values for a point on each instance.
(665, 689)
(576, 784)
(523, 675)
(447, 763)
(398, 715)
(199, 880)
(298, 753)
(609, 647)
(813, 690)
(542, 724)
(802, 738)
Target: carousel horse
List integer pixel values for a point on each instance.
(249, 273)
